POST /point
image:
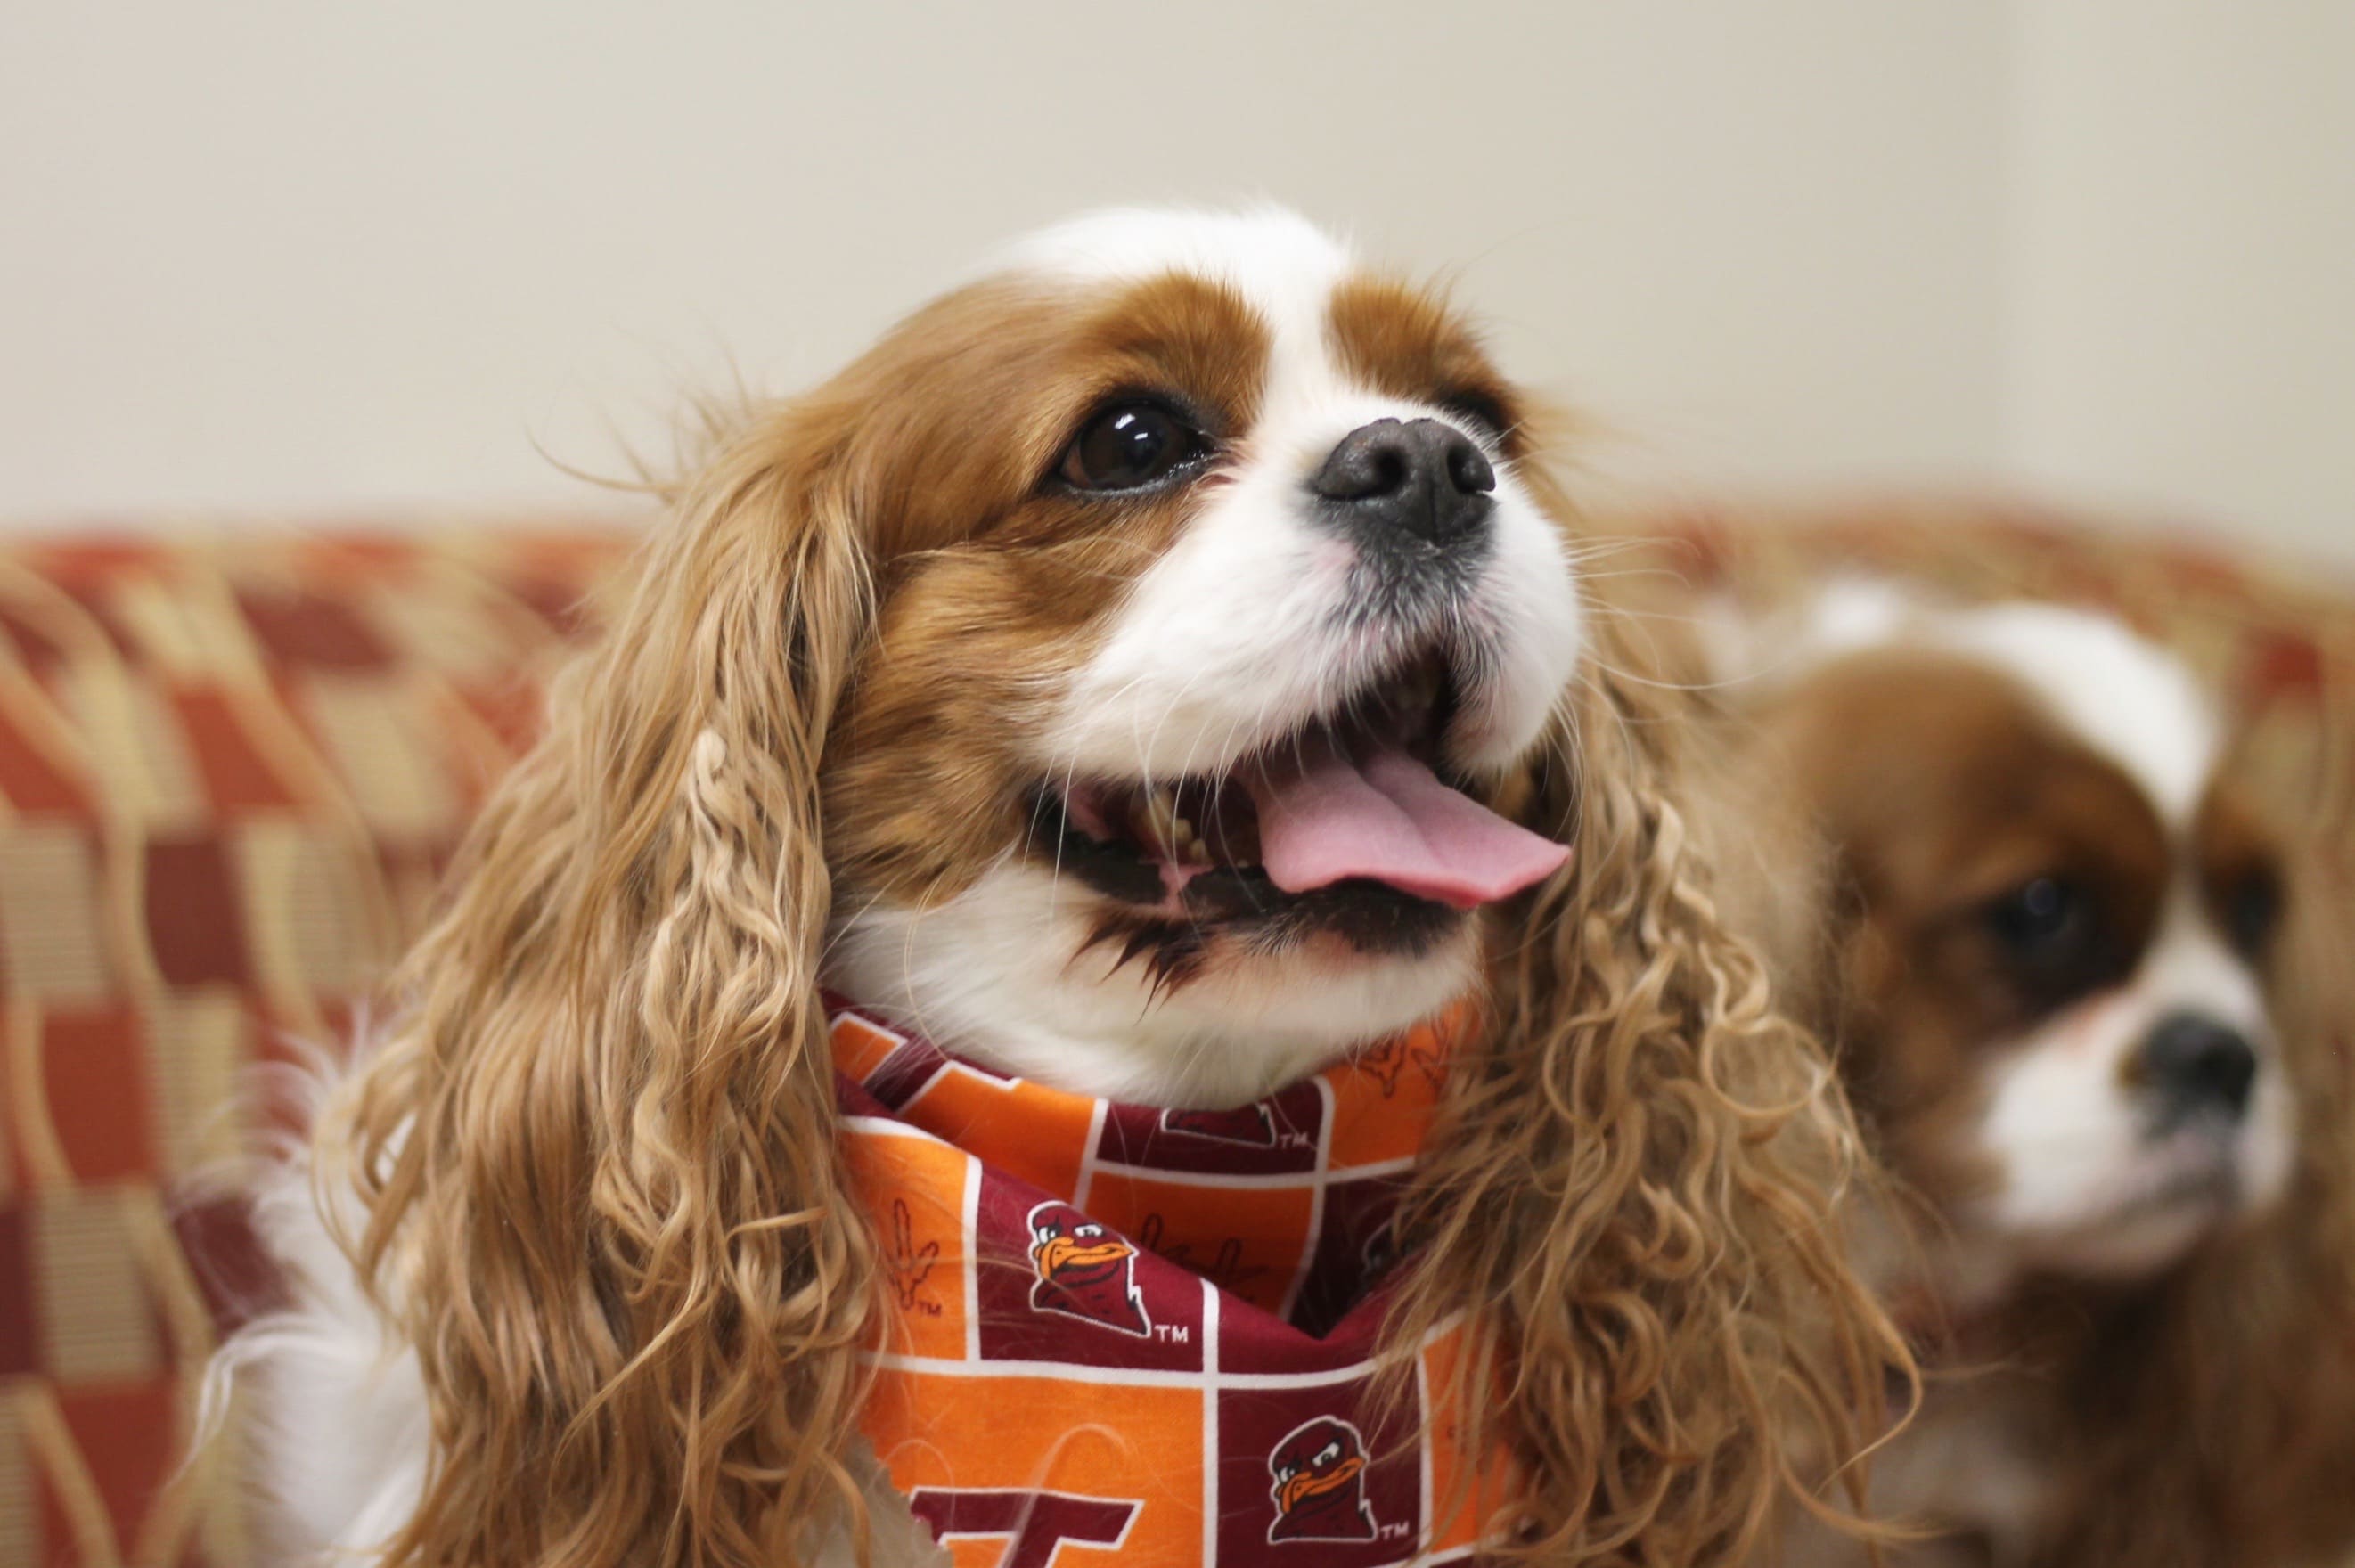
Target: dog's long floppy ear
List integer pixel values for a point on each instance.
(1637, 1186)
(597, 1161)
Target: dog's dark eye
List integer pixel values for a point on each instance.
(2252, 908)
(2038, 919)
(1129, 446)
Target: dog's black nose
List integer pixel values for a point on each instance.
(1422, 477)
(2196, 1064)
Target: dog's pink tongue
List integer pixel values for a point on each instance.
(1389, 818)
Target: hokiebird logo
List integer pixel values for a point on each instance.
(1319, 1484)
(1084, 1271)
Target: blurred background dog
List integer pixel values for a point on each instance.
(2008, 856)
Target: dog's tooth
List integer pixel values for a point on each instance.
(1192, 846)
(1161, 812)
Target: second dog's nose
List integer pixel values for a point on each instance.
(1422, 477)
(2198, 1063)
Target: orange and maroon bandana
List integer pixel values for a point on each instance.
(1141, 1337)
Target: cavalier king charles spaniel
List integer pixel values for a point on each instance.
(1154, 675)
(2001, 859)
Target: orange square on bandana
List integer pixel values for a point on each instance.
(1246, 1239)
(1039, 1136)
(859, 1047)
(1466, 1490)
(913, 1189)
(1131, 1465)
(1383, 1101)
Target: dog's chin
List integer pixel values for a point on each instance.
(1019, 974)
(2131, 1244)
(2178, 1193)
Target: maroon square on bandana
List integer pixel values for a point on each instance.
(1116, 1305)
(1311, 1477)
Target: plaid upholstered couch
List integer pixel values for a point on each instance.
(231, 768)
(229, 772)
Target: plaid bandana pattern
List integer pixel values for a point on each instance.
(1129, 1334)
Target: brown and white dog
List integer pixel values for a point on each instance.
(1999, 857)
(1143, 672)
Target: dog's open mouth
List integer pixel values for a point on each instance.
(1355, 800)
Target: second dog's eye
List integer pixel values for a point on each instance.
(1128, 446)
(2038, 917)
(2251, 909)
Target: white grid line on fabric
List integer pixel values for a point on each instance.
(969, 1227)
(1088, 1155)
(1211, 1381)
(1327, 1108)
(1121, 1377)
(1277, 1181)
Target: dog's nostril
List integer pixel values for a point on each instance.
(1468, 467)
(1370, 460)
(2199, 1064)
(1422, 477)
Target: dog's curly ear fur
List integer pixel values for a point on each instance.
(1637, 1188)
(597, 1164)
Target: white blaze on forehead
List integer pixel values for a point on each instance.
(1272, 256)
(2128, 699)
(1280, 265)
(2131, 701)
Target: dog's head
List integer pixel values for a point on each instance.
(1135, 671)
(2051, 923)
(1207, 602)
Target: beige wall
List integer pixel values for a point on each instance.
(2181, 331)
(329, 256)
